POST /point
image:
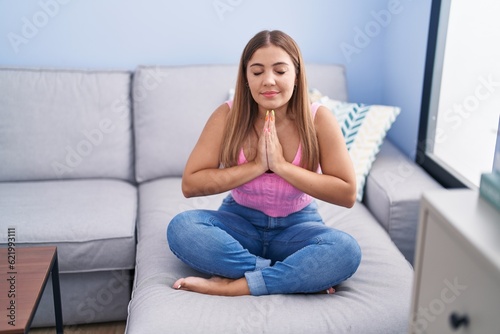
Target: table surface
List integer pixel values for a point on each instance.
(22, 282)
(472, 219)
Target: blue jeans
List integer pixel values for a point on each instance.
(293, 254)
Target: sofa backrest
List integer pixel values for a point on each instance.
(329, 79)
(172, 104)
(57, 124)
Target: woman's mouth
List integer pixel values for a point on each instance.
(269, 94)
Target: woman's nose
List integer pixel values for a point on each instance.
(269, 79)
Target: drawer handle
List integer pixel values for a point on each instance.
(456, 321)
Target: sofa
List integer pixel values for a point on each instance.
(91, 161)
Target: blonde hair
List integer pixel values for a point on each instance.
(245, 110)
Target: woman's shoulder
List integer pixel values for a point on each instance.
(219, 115)
(318, 110)
(314, 107)
(324, 119)
(223, 108)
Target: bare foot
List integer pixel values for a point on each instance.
(329, 291)
(214, 286)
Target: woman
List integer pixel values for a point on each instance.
(267, 147)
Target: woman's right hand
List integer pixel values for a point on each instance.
(261, 157)
(203, 176)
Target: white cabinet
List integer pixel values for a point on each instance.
(457, 269)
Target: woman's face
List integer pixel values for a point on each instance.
(271, 78)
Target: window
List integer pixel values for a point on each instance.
(461, 95)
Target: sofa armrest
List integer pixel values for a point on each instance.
(392, 194)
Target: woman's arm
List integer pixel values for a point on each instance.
(202, 175)
(337, 183)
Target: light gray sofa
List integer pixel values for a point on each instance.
(91, 161)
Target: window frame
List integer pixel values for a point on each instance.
(433, 63)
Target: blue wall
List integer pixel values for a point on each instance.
(404, 62)
(381, 42)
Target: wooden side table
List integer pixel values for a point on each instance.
(24, 273)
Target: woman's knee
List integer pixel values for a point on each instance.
(178, 229)
(353, 251)
(345, 247)
(175, 224)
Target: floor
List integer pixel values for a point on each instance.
(104, 328)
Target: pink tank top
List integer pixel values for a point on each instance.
(269, 192)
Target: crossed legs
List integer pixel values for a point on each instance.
(243, 259)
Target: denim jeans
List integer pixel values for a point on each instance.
(293, 254)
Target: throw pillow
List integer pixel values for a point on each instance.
(364, 128)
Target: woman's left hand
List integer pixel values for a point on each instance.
(273, 145)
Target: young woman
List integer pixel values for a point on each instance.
(275, 152)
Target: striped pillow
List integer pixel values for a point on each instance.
(364, 128)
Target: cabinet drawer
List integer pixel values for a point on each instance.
(454, 280)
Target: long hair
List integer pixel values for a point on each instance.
(245, 110)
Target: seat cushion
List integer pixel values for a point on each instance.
(92, 222)
(59, 124)
(91, 297)
(376, 299)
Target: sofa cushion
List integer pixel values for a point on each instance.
(330, 79)
(392, 194)
(65, 125)
(92, 222)
(171, 106)
(376, 299)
